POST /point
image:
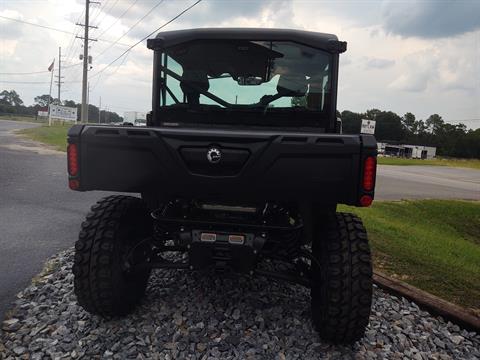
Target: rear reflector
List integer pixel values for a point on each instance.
(366, 200)
(208, 237)
(73, 184)
(369, 168)
(72, 157)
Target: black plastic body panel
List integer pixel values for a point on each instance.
(269, 165)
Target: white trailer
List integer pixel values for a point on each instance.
(135, 118)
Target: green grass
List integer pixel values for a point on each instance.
(466, 163)
(431, 244)
(23, 118)
(55, 135)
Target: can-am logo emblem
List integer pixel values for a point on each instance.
(214, 155)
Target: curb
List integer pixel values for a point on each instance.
(431, 303)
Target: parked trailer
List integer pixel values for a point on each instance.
(134, 118)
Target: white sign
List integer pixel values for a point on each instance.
(368, 127)
(63, 112)
(42, 113)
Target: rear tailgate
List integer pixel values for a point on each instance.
(253, 165)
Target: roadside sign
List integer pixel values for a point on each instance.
(368, 127)
(63, 112)
(42, 113)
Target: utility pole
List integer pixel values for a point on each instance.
(60, 82)
(99, 109)
(88, 98)
(84, 113)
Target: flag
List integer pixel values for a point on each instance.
(50, 68)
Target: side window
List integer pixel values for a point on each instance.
(174, 84)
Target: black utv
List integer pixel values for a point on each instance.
(241, 166)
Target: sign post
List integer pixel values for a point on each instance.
(368, 127)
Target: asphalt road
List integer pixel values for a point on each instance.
(425, 182)
(39, 215)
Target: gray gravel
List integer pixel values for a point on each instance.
(189, 315)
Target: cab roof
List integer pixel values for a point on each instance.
(328, 42)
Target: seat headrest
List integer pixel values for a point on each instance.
(292, 85)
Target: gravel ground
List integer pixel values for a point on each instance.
(189, 315)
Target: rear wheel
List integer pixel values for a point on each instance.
(341, 278)
(102, 284)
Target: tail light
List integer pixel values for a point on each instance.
(72, 157)
(366, 200)
(73, 184)
(369, 168)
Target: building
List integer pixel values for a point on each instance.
(406, 151)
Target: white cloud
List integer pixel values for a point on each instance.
(386, 66)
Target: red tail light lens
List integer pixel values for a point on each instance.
(369, 168)
(73, 184)
(72, 156)
(366, 200)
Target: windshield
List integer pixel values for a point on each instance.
(268, 77)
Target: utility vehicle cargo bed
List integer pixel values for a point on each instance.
(253, 165)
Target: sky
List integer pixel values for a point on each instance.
(405, 56)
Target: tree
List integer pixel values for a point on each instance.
(299, 101)
(351, 122)
(434, 123)
(409, 122)
(10, 98)
(69, 103)
(43, 100)
(389, 125)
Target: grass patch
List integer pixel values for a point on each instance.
(23, 118)
(55, 135)
(465, 163)
(431, 244)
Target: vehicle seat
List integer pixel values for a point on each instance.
(192, 82)
(292, 85)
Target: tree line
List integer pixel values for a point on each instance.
(450, 140)
(11, 103)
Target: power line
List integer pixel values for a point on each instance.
(119, 18)
(131, 28)
(55, 29)
(105, 13)
(30, 82)
(73, 38)
(112, 73)
(99, 10)
(37, 72)
(153, 32)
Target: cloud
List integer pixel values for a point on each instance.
(11, 30)
(430, 19)
(376, 63)
(416, 56)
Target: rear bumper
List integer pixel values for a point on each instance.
(257, 165)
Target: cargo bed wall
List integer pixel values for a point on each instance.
(254, 165)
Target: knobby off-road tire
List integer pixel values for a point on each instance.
(102, 286)
(341, 278)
